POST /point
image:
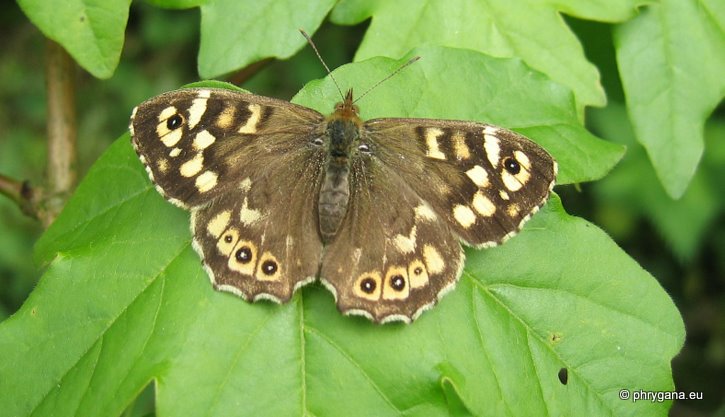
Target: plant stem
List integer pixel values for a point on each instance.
(61, 172)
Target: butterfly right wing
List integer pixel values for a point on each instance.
(245, 167)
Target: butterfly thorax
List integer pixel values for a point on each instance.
(343, 134)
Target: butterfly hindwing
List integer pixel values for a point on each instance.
(393, 256)
(253, 240)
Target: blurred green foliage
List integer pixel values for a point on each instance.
(681, 242)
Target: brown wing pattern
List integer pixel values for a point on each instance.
(392, 257)
(244, 166)
(485, 181)
(191, 139)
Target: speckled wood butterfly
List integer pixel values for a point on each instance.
(281, 196)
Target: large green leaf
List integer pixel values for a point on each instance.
(90, 30)
(531, 30)
(125, 301)
(672, 60)
(235, 33)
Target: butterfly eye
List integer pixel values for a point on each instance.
(174, 121)
(318, 142)
(512, 166)
(364, 148)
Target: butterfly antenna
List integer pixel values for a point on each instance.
(312, 44)
(410, 61)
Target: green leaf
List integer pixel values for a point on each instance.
(632, 187)
(531, 30)
(450, 83)
(177, 4)
(611, 11)
(125, 301)
(235, 34)
(671, 59)
(90, 30)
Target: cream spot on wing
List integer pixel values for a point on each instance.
(514, 182)
(193, 166)
(513, 210)
(268, 268)
(243, 257)
(523, 160)
(396, 285)
(418, 274)
(424, 212)
(204, 94)
(405, 244)
(196, 111)
(175, 152)
(368, 285)
(483, 205)
(493, 150)
(206, 181)
(172, 138)
(504, 195)
(245, 185)
(356, 255)
(219, 223)
(434, 262)
(491, 130)
(203, 140)
(163, 165)
(227, 241)
(431, 142)
(168, 137)
(459, 146)
(250, 126)
(464, 215)
(247, 215)
(479, 176)
(226, 117)
(167, 112)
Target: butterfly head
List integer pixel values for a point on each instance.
(346, 109)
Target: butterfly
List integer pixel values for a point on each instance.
(281, 196)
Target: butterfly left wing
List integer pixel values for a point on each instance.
(245, 167)
(483, 180)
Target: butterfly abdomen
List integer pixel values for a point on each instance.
(343, 133)
(334, 196)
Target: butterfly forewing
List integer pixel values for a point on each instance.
(195, 142)
(485, 181)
